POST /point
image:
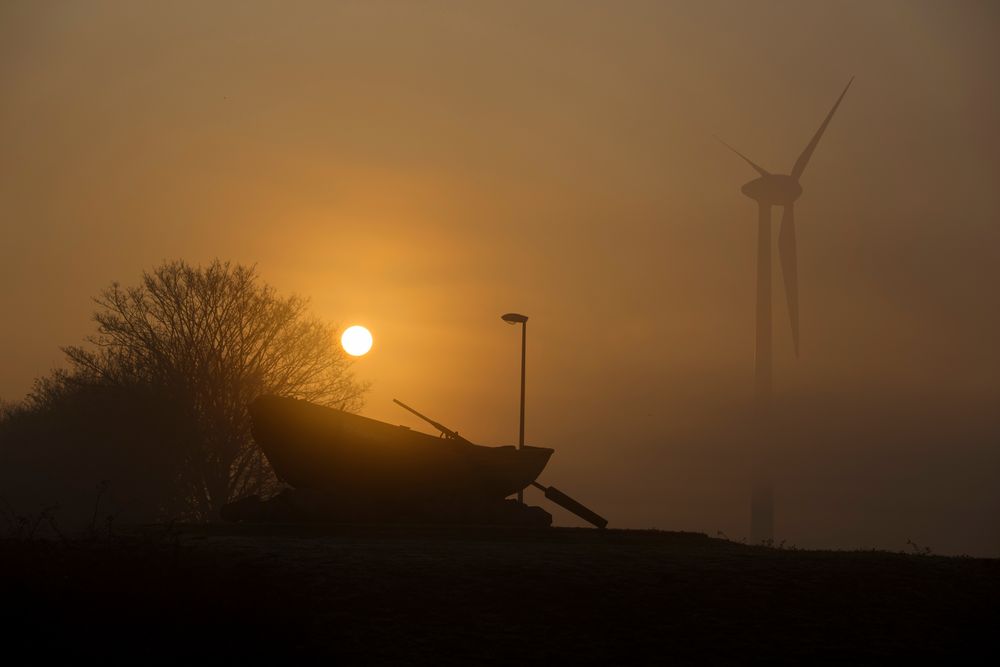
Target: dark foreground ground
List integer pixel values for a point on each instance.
(472, 596)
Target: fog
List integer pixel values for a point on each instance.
(423, 168)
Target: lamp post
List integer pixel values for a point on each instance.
(514, 318)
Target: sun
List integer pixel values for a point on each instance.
(356, 340)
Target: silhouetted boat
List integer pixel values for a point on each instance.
(315, 447)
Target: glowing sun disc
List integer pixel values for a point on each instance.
(356, 340)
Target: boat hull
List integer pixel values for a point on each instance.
(315, 447)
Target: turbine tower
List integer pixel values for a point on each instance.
(773, 190)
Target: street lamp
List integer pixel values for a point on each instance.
(514, 318)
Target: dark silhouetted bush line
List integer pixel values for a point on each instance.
(156, 402)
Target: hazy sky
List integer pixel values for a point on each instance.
(423, 167)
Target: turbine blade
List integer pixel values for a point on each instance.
(790, 270)
(760, 169)
(800, 164)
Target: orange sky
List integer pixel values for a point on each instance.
(422, 168)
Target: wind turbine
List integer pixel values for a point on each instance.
(774, 190)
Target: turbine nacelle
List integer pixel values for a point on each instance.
(773, 190)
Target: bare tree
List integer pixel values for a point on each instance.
(212, 339)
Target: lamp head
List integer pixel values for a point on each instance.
(514, 318)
